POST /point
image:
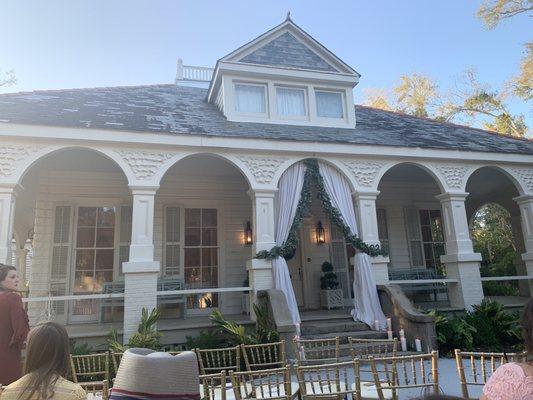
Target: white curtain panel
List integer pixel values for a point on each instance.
(290, 102)
(288, 196)
(367, 307)
(250, 98)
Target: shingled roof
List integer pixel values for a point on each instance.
(170, 109)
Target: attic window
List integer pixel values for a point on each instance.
(329, 104)
(250, 98)
(290, 102)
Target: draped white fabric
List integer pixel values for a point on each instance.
(366, 301)
(290, 102)
(288, 196)
(250, 98)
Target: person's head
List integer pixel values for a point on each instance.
(47, 358)
(527, 327)
(9, 279)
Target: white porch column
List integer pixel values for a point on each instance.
(365, 206)
(526, 212)
(141, 272)
(460, 260)
(259, 270)
(21, 256)
(7, 217)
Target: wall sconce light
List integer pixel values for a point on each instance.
(320, 233)
(248, 234)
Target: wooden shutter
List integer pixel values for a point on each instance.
(172, 241)
(339, 260)
(59, 269)
(124, 236)
(414, 239)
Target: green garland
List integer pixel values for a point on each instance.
(312, 175)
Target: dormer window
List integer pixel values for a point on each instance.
(291, 102)
(250, 98)
(329, 104)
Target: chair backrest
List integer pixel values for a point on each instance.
(264, 356)
(96, 390)
(392, 374)
(90, 367)
(364, 348)
(214, 386)
(475, 368)
(115, 359)
(262, 384)
(212, 361)
(331, 381)
(316, 351)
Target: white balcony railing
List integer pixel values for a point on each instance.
(193, 73)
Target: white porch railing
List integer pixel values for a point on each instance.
(193, 73)
(506, 278)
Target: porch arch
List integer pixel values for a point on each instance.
(503, 170)
(34, 158)
(424, 167)
(234, 161)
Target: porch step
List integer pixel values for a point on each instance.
(335, 324)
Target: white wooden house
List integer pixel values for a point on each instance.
(128, 189)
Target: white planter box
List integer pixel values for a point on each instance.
(331, 298)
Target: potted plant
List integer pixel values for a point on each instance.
(330, 294)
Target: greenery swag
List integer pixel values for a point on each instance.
(312, 176)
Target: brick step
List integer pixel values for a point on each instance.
(343, 336)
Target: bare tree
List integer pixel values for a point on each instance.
(493, 11)
(7, 78)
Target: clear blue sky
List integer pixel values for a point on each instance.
(57, 44)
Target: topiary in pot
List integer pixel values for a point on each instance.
(329, 280)
(330, 295)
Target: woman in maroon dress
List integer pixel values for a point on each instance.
(13, 326)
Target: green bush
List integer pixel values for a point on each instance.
(146, 336)
(208, 340)
(488, 327)
(329, 280)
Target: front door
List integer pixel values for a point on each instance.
(296, 272)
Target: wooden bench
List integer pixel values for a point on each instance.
(163, 284)
(419, 273)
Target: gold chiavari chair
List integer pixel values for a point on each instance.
(364, 348)
(91, 369)
(214, 386)
(317, 351)
(269, 384)
(96, 390)
(264, 356)
(115, 360)
(475, 368)
(330, 381)
(211, 361)
(405, 372)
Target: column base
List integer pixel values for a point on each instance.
(468, 290)
(260, 277)
(140, 291)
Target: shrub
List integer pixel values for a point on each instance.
(329, 280)
(146, 336)
(212, 339)
(453, 333)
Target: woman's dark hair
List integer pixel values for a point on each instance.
(4, 270)
(527, 327)
(47, 359)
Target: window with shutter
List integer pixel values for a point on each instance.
(414, 238)
(172, 241)
(383, 229)
(339, 260)
(60, 256)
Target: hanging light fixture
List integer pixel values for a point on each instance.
(248, 234)
(320, 233)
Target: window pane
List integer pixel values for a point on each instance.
(209, 257)
(85, 259)
(192, 217)
(382, 224)
(105, 237)
(424, 217)
(85, 237)
(83, 282)
(290, 102)
(209, 277)
(209, 217)
(329, 104)
(250, 98)
(416, 254)
(209, 237)
(125, 224)
(192, 257)
(193, 278)
(192, 236)
(426, 233)
(101, 278)
(87, 216)
(106, 216)
(104, 259)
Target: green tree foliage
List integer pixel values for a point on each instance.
(522, 83)
(147, 335)
(493, 239)
(492, 12)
